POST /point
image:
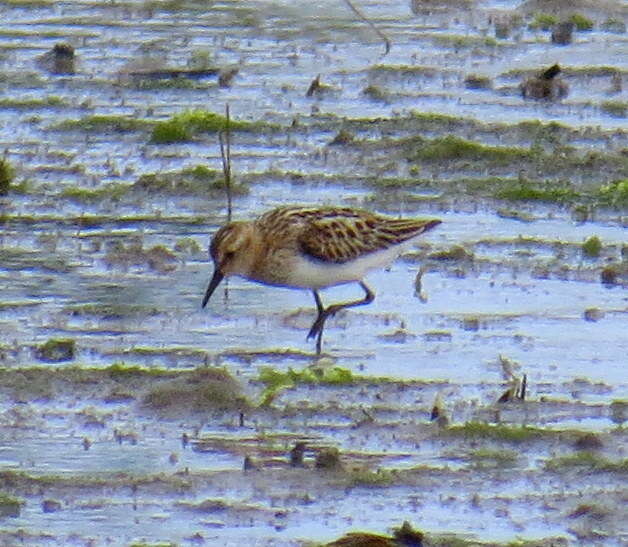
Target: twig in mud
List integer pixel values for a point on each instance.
(508, 367)
(522, 388)
(438, 413)
(516, 391)
(418, 285)
(224, 137)
(314, 86)
(370, 24)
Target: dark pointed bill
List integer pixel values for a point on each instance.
(215, 281)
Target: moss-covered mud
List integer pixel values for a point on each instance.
(129, 439)
(128, 415)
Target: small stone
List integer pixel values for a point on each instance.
(475, 81)
(608, 276)
(593, 314)
(59, 60)
(562, 33)
(328, 458)
(296, 454)
(343, 137)
(50, 506)
(589, 441)
(249, 464)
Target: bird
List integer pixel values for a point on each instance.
(312, 248)
(545, 85)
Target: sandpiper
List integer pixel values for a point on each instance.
(312, 248)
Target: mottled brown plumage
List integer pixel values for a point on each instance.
(311, 248)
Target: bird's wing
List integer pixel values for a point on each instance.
(346, 235)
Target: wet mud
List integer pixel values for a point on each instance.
(129, 416)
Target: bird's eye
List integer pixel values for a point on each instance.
(229, 256)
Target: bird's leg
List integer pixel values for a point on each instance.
(324, 313)
(321, 311)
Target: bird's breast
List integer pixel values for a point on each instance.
(290, 269)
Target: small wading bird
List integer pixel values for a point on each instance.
(312, 248)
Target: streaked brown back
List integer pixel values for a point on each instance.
(348, 234)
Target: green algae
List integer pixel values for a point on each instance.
(27, 3)
(613, 25)
(150, 84)
(193, 181)
(186, 125)
(617, 109)
(57, 350)
(376, 93)
(21, 480)
(176, 351)
(10, 506)
(276, 381)
(458, 41)
(122, 371)
(404, 70)
(614, 194)
(477, 81)
(207, 388)
(550, 192)
(587, 460)
(592, 247)
(543, 21)
(484, 458)
(452, 147)
(111, 191)
(14, 32)
(594, 195)
(581, 22)
(498, 432)
(154, 544)
(157, 258)
(77, 374)
(162, 390)
(407, 535)
(513, 214)
(454, 253)
(187, 245)
(310, 375)
(22, 259)
(7, 174)
(369, 478)
(33, 104)
(110, 311)
(619, 411)
(16, 80)
(100, 123)
(390, 183)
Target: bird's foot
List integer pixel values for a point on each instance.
(317, 327)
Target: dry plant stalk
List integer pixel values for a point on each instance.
(224, 137)
(370, 24)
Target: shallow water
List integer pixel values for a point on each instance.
(521, 292)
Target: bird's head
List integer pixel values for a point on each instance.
(232, 252)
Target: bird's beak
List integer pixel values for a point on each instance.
(215, 281)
